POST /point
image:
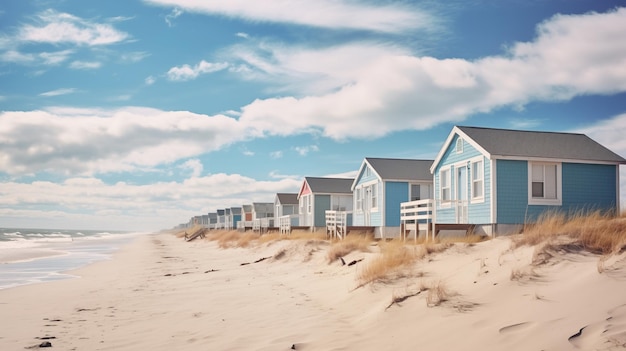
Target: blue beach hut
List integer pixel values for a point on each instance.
(499, 179)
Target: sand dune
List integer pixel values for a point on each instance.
(162, 293)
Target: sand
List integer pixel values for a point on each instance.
(162, 293)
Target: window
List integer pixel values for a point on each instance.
(374, 195)
(478, 181)
(415, 192)
(444, 180)
(459, 146)
(544, 186)
(357, 200)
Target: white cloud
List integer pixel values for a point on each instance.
(276, 154)
(82, 201)
(54, 58)
(85, 65)
(195, 166)
(243, 35)
(82, 141)
(57, 27)
(58, 92)
(304, 150)
(150, 80)
(186, 72)
(335, 14)
(132, 57)
(380, 92)
(176, 12)
(16, 57)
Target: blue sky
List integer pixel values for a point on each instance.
(139, 116)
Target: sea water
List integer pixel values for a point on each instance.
(30, 256)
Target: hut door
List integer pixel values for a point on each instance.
(461, 195)
(367, 204)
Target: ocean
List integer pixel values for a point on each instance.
(29, 256)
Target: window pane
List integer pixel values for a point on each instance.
(415, 192)
(445, 194)
(478, 189)
(444, 178)
(537, 173)
(537, 189)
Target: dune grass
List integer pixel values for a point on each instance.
(393, 256)
(351, 243)
(295, 235)
(594, 232)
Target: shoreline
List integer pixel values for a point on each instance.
(159, 292)
(31, 262)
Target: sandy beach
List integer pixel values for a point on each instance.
(162, 293)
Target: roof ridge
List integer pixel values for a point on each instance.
(522, 130)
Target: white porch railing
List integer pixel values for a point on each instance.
(460, 207)
(285, 223)
(412, 212)
(337, 223)
(262, 225)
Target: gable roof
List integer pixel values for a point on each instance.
(401, 169)
(503, 143)
(287, 198)
(329, 185)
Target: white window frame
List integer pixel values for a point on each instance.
(558, 201)
(358, 194)
(459, 145)
(445, 202)
(374, 197)
(481, 180)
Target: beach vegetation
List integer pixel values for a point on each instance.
(340, 248)
(393, 256)
(595, 232)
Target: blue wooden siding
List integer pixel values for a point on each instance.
(478, 213)
(512, 194)
(395, 193)
(584, 187)
(322, 203)
(589, 187)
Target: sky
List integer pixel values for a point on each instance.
(139, 114)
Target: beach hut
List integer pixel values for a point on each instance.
(212, 220)
(381, 185)
(286, 211)
(318, 194)
(246, 218)
(262, 216)
(221, 219)
(498, 179)
(235, 217)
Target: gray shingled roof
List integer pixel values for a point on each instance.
(247, 208)
(330, 185)
(401, 169)
(235, 210)
(263, 207)
(287, 198)
(504, 142)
